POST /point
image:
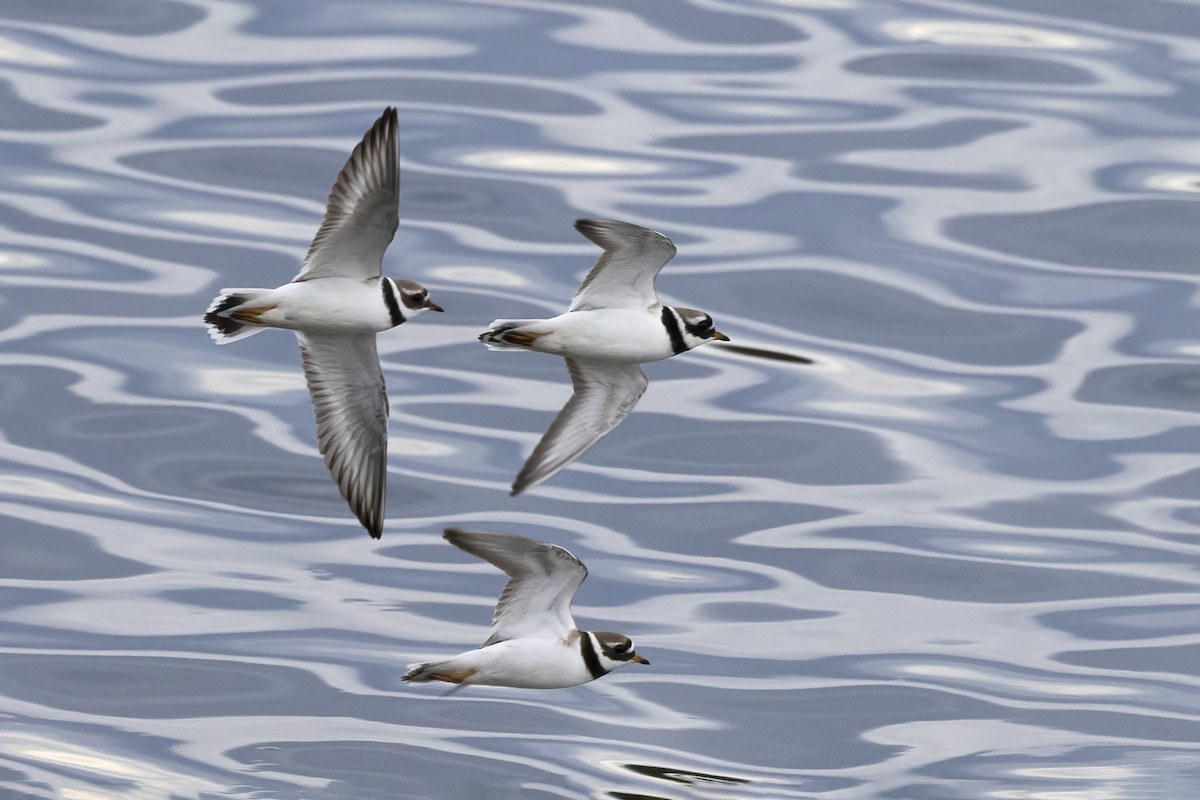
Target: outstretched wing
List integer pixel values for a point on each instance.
(543, 578)
(605, 393)
(346, 385)
(363, 210)
(624, 275)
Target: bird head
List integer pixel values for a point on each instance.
(698, 328)
(616, 649)
(415, 298)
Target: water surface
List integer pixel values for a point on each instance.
(931, 532)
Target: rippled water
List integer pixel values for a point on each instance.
(954, 557)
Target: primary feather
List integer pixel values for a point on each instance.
(604, 394)
(624, 274)
(350, 399)
(543, 578)
(363, 209)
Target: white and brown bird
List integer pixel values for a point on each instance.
(336, 305)
(614, 323)
(534, 643)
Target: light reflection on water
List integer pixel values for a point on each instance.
(925, 529)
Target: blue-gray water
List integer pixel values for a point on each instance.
(956, 557)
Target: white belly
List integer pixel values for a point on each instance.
(328, 305)
(611, 334)
(527, 664)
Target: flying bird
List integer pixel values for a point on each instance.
(614, 323)
(534, 642)
(336, 305)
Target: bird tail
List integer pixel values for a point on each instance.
(505, 334)
(424, 672)
(223, 327)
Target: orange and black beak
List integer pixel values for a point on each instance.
(432, 306)
(638, 659)
(720, 337)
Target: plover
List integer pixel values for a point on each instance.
(336, 305)
(614, 323)
(534, 643)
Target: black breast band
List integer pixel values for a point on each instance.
(590, 659)
(393, 307)
(671, 323)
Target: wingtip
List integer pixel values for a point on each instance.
(372, 526)
(371, 517)
(528, 478)
(387, 125)
(585, 224)
(469, 540)
(521, 482)
(600, 231)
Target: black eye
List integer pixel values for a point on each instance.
(705, 323)
(623, 646)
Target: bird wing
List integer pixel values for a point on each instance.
(347, 391)
(543, 578)
(362, 212)
(624, 275)
(605, 393)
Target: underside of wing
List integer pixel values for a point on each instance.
(605, 393)
(543, 578)
(348, 394)
(362, 213)
(624, 275)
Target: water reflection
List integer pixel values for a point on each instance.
(681, 775)
(767, 353)
(975, 33)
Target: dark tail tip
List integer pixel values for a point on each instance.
(224, 325)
